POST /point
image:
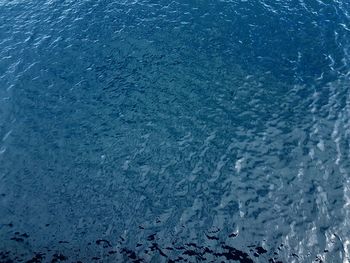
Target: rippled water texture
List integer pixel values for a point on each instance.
(163, 131)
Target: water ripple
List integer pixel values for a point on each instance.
(174, 131)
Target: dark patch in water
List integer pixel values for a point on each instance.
(212, 237)
(39, 257)
(151, 237)
(104, 242)
(58, 257)
(189, 252)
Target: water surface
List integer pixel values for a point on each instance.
(162, 131)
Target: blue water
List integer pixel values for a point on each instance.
(175, 131)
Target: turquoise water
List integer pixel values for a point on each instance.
(175, 131)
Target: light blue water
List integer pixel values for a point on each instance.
(175, 131)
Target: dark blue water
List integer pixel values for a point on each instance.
(175, 131)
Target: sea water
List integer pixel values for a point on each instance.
(175, 131)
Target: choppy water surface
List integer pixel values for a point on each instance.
(164, 131)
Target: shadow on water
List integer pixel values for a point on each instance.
(103, 250)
